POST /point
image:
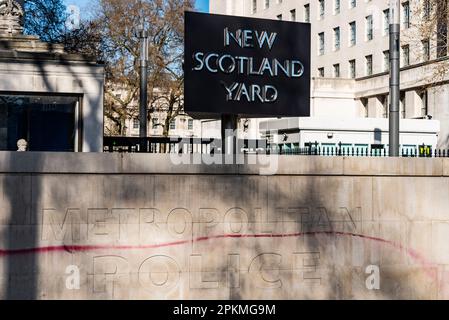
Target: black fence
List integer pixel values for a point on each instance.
(360, 152)
(211, 146)
(177, 145)
(375, 150)
(160, 145)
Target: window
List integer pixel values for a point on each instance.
(424, 104)
(386, 60)
(337, 70)
(293, 15)
(321, 43)
(352, 33)
(426, 10)
(136, 123)
(405, 55)
(441, 42)
(172, 124)
(321, 9)
(267, 4)
(190, 124)
(337, 38)
(307, 13)
(369, 65)
(352, 69)
(336, 6)
(46, 122)
(426, 49)
(321, 72)
(279, 16)
(406, 14)
(254, 7)
(154, 123)
(386, 21)
(369, 27)
(352, 3)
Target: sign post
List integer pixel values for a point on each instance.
(143, 101)
(395, 27)
(229, 134)
(245, 67)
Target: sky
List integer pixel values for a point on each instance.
(202, 5)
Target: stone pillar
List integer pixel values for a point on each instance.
(361, 106)
(375, 108)
(413, 104)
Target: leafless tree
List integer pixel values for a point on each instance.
(113, 32)
(430, 22)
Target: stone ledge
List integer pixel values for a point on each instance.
(115, 163)
(393, 166)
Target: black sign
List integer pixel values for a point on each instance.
(246, 66)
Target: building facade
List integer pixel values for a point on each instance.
(49, 100)
(349, 62)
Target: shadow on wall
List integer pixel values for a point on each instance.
(22, 192)
(19, 220)
(333, 250)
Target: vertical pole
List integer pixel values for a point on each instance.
(143, 101)
(229, 135)
(395, 26)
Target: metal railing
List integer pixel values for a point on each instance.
(211, 146)
(314, 149)
(177, 145)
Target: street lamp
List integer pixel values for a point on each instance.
(143, 101)
(395, 26)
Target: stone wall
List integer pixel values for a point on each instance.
(138, 226)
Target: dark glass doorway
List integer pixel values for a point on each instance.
(47, 123)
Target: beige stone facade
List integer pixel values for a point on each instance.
(363, 92)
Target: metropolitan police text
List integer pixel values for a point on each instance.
(228, 64)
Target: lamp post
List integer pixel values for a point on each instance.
(395, 26)
(143, 101)
(229, 140)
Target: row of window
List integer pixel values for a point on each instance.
(369, 35)
(266, 4)
(155, 123)
(386, 61)
(352, 4)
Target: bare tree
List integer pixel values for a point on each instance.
(170, 102)
(430, 37)
(114, 29)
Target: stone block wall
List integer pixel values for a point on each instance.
(138, 226)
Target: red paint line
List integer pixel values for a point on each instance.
(84, 248)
